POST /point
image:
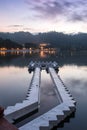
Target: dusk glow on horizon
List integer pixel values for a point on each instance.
(68, 16)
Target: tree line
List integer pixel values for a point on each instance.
(54, 39)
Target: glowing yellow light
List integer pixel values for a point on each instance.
(3, 53)
(42, 54)
(30, 52)
(3, 49)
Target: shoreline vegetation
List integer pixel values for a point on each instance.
(48, 40)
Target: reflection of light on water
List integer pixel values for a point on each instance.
(24, 53)
(13, 52)
(30, 52)
(17, 51)
(2, 53)
(42, 54)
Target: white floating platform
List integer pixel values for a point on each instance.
(54, 116)
(43, 65)
(51, 118)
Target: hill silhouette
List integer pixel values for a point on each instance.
(59, 40)
(7, 43)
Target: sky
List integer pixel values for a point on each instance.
(68, 16)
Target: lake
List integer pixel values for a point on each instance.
(15, 80)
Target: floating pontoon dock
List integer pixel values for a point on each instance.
(54, 116)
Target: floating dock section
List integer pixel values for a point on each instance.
(54, 116)
(30, 104)
(42, 65)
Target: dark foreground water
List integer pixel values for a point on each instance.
(15, 80)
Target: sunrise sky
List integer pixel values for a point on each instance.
(68, 16)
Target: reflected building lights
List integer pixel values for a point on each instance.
(43, 51)
(18, 52)
(13, 52)
(2, 53)
(24, 53)
(42, 54)
(30, 52)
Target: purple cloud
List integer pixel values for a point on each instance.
(46, 8)
(75, 10)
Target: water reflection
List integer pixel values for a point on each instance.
(42, 53)
(75, 78)
(48, 98)
(14, 83)
(15, 79)
(22, 59)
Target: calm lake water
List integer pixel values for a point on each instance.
(15, 80)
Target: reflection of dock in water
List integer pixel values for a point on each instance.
(32, 102)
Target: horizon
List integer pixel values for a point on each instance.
(45, 32)
(43, 16)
